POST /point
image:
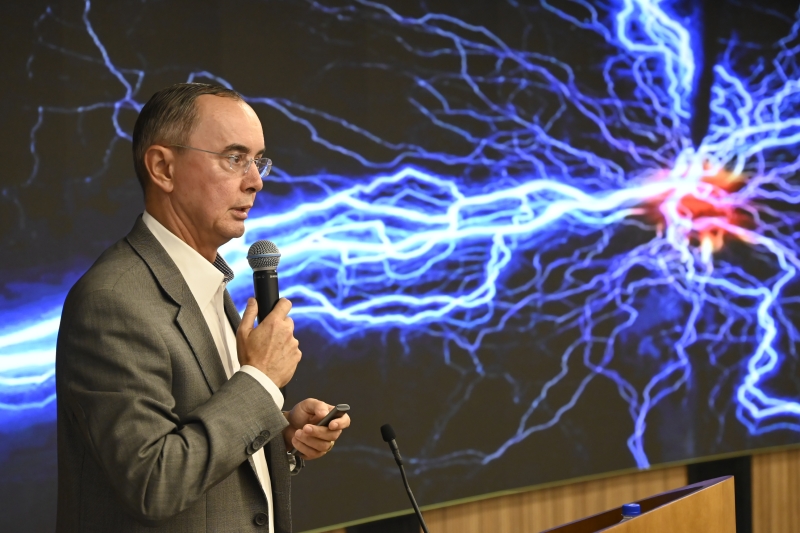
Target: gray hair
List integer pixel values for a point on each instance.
(169, 117)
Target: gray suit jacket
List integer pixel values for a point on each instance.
(152, 436)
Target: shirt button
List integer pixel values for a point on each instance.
(261, 519)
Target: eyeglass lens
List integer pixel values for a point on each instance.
(263, 165)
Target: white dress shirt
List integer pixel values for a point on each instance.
(207, 285)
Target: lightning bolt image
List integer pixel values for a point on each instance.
(565, 206)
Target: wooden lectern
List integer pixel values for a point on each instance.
(703, 507)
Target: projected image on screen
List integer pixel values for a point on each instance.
(542, 240)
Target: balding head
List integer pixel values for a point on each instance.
(168, 118)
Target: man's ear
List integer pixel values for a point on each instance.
(159, 161)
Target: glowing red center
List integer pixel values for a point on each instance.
(709, 210)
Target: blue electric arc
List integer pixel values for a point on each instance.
(580, 241)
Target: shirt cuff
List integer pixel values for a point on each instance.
(267, 383)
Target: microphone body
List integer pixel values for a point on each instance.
(264, 257)
(396, 452)
(389, 437)
(265, 287)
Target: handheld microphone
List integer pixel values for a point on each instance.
(264, 257)
(389, 436)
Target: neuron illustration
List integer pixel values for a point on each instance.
(551, 210)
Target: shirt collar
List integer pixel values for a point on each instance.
(222, 266)
(202, 277)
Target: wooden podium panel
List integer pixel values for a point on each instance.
(702, 507)
(544, 508)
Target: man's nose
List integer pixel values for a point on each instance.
(252, 179)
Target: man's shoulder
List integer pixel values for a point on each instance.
(135, 273)
(114, 266)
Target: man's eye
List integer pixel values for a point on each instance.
(236, 159)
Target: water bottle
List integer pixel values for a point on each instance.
(630, 511)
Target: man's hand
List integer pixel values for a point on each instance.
(270, 347)
(310, 440)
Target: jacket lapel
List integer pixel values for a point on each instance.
(190, 318)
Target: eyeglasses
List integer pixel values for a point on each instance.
(263, 164)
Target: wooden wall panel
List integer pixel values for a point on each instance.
(542, 509)
(776, 492)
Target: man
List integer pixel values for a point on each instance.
(169, 409)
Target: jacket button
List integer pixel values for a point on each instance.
(256, 445)
(265, 433)
(261, 519)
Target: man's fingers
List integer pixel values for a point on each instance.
(310, 442)
(282, 308)
(321, 433)
(250, 314)
(309, 452)
(321, 410)
(316, 409)
(306, 451)
(340, 423)
(315, 441)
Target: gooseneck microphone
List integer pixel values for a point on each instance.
(264, 257)
(389, 436)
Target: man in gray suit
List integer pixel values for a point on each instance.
(169, 408)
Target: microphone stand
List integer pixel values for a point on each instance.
(413, 501)
(389, 436)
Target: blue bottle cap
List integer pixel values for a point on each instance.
(631, 509)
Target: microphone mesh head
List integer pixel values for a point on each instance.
(263, 254)
(387, 433)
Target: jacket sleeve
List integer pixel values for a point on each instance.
(115, 378)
